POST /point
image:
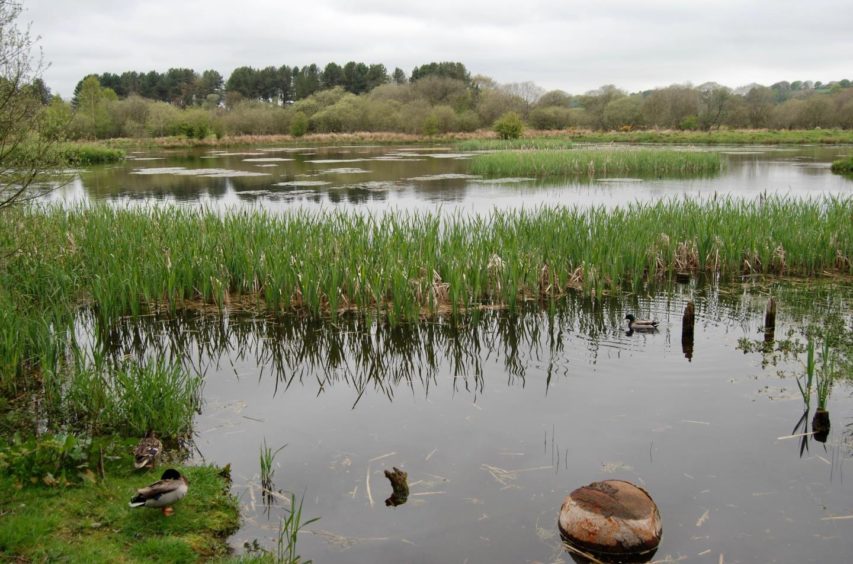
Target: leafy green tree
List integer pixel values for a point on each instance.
(25, 155)
(355, 77)
(509, 126)
(92, 112)
(759, 103)
(243, 80)
(376, 76)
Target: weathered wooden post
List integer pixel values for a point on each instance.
(687, 322)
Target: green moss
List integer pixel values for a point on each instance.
(93, 523)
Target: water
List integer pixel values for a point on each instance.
(424, 178)
(497, 417)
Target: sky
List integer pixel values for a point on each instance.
(570, 45)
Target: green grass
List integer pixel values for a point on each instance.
(716, 137)
(84, 154)
(528, 143)
(124, 262)
(609, 162)
(843, 166)
(93, 523)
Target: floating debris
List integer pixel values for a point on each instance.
(447, 176)
(203, 172)
(303, 183)
(620, 180)
(266, 160)
(343, 171)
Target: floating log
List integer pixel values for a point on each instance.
(399, 481)
(611, 520)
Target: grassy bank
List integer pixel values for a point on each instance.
(84, 154)
(91, 522)
(716, 137)
(121, 260)
(612, 162)
(843, 166)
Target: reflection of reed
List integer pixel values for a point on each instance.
(367, 354)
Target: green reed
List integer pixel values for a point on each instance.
(596, 162)
(407, 265)
(524, 144)
(843, 166)
(288, 534)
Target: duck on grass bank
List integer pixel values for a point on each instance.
(635, 324)
(162, 494)
(146, 452)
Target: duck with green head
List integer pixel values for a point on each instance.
(635, 324)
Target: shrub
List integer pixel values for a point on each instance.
(299, 125)
(509, 126)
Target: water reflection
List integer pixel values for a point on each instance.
(378, 178)
(365, 353)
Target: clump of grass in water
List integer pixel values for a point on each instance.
(535, 143)
(843, 166)
(612, 162)
(127, 398)
(266, 460)
(288, 533)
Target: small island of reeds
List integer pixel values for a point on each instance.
(596, 162)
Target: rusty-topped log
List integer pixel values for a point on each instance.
(612, 518)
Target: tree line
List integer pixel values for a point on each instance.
(436, 97)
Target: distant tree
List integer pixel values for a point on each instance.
(714, 105)
(92, 101)
(554, 98)
(306, 81)
(445, 69)
(399, 76)
(623, 112)
(333, 75)
(595, 101)
(376, 75)
(759, 104)
(209, 84)
(243, 80)
(355, 77)
(285, 84)
(267, 85)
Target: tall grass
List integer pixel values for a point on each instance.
(843, 166)
(407, 265)
(716, 137)
(527, 143)
(288, 534)
(644, 162)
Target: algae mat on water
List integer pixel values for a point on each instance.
(93, 523)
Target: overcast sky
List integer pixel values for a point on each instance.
(572, 45)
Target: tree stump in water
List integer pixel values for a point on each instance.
(612, 520)
(399, 481)
(770, 325)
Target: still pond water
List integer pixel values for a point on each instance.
(497, 418)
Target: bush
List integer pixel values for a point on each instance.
(299, 125)
(509, 126)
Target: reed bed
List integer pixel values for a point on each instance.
(715, 137)
(524, 144)
(124, 262)
(612, 162)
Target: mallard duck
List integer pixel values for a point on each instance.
(635, 324)
(147, 451)
(169, 489)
